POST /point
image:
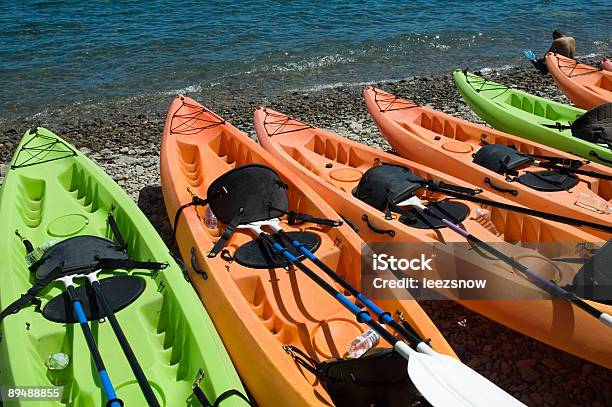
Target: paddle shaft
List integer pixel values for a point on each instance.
(528, 211)
(383, 317)
(588, 173)
(107, 386)
(362, 316)
(145, 387)
(544, 284)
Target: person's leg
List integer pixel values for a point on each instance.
(540, 65)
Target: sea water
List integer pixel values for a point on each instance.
(54, 54)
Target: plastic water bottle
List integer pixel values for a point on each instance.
(483, 216)
(38, 252)
(210, 219)
(56, 368)
(592, 202)
(363, 343)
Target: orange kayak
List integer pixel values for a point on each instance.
(585, 85)
(447, 143)
(333, 166)
(259, 310)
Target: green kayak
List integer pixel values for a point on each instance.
(526, 115)
(59, 202)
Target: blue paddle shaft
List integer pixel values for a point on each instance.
(383, 316)
(107, 385)
(363, 299)
(361, 315)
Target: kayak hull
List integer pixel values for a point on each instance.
(314, 153)
(257, 311)
(585, 85)
(53, 192)
(524, 115)
(447, 143)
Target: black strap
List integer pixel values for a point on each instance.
(116, 232)
(593, 153)
(441, 186)
(23, 301)
(565, 162)
(225, 237)
(199, 394)
(195, 201)
(557, 126)
(296, 218)
(350, 223)
(129, 264)
(303, 359)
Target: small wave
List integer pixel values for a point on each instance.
(335, 85)
(313, 63)
(500, 68)
(591, 55)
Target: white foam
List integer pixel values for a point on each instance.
(334, 85)
(313, 63)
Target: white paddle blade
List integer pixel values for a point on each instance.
(606, 319)
(445, 381)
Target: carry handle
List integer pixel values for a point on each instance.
(195, 266)
(488, 181)
(375, 229)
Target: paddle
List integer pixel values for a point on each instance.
(453, 190)
(67, 276)
(94, 254)
(383, 316)
(441, 379)
(530, 55)
(567, 169)
(145, 387)
(548, 286)
(107, 386)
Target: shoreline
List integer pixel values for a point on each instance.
(125, 143)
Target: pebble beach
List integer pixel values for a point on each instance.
(123, 137)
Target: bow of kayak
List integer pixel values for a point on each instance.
(525, 115)
(447, 143)
(53, 193)
(260, 310)
(586, 86)
(333, 166)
